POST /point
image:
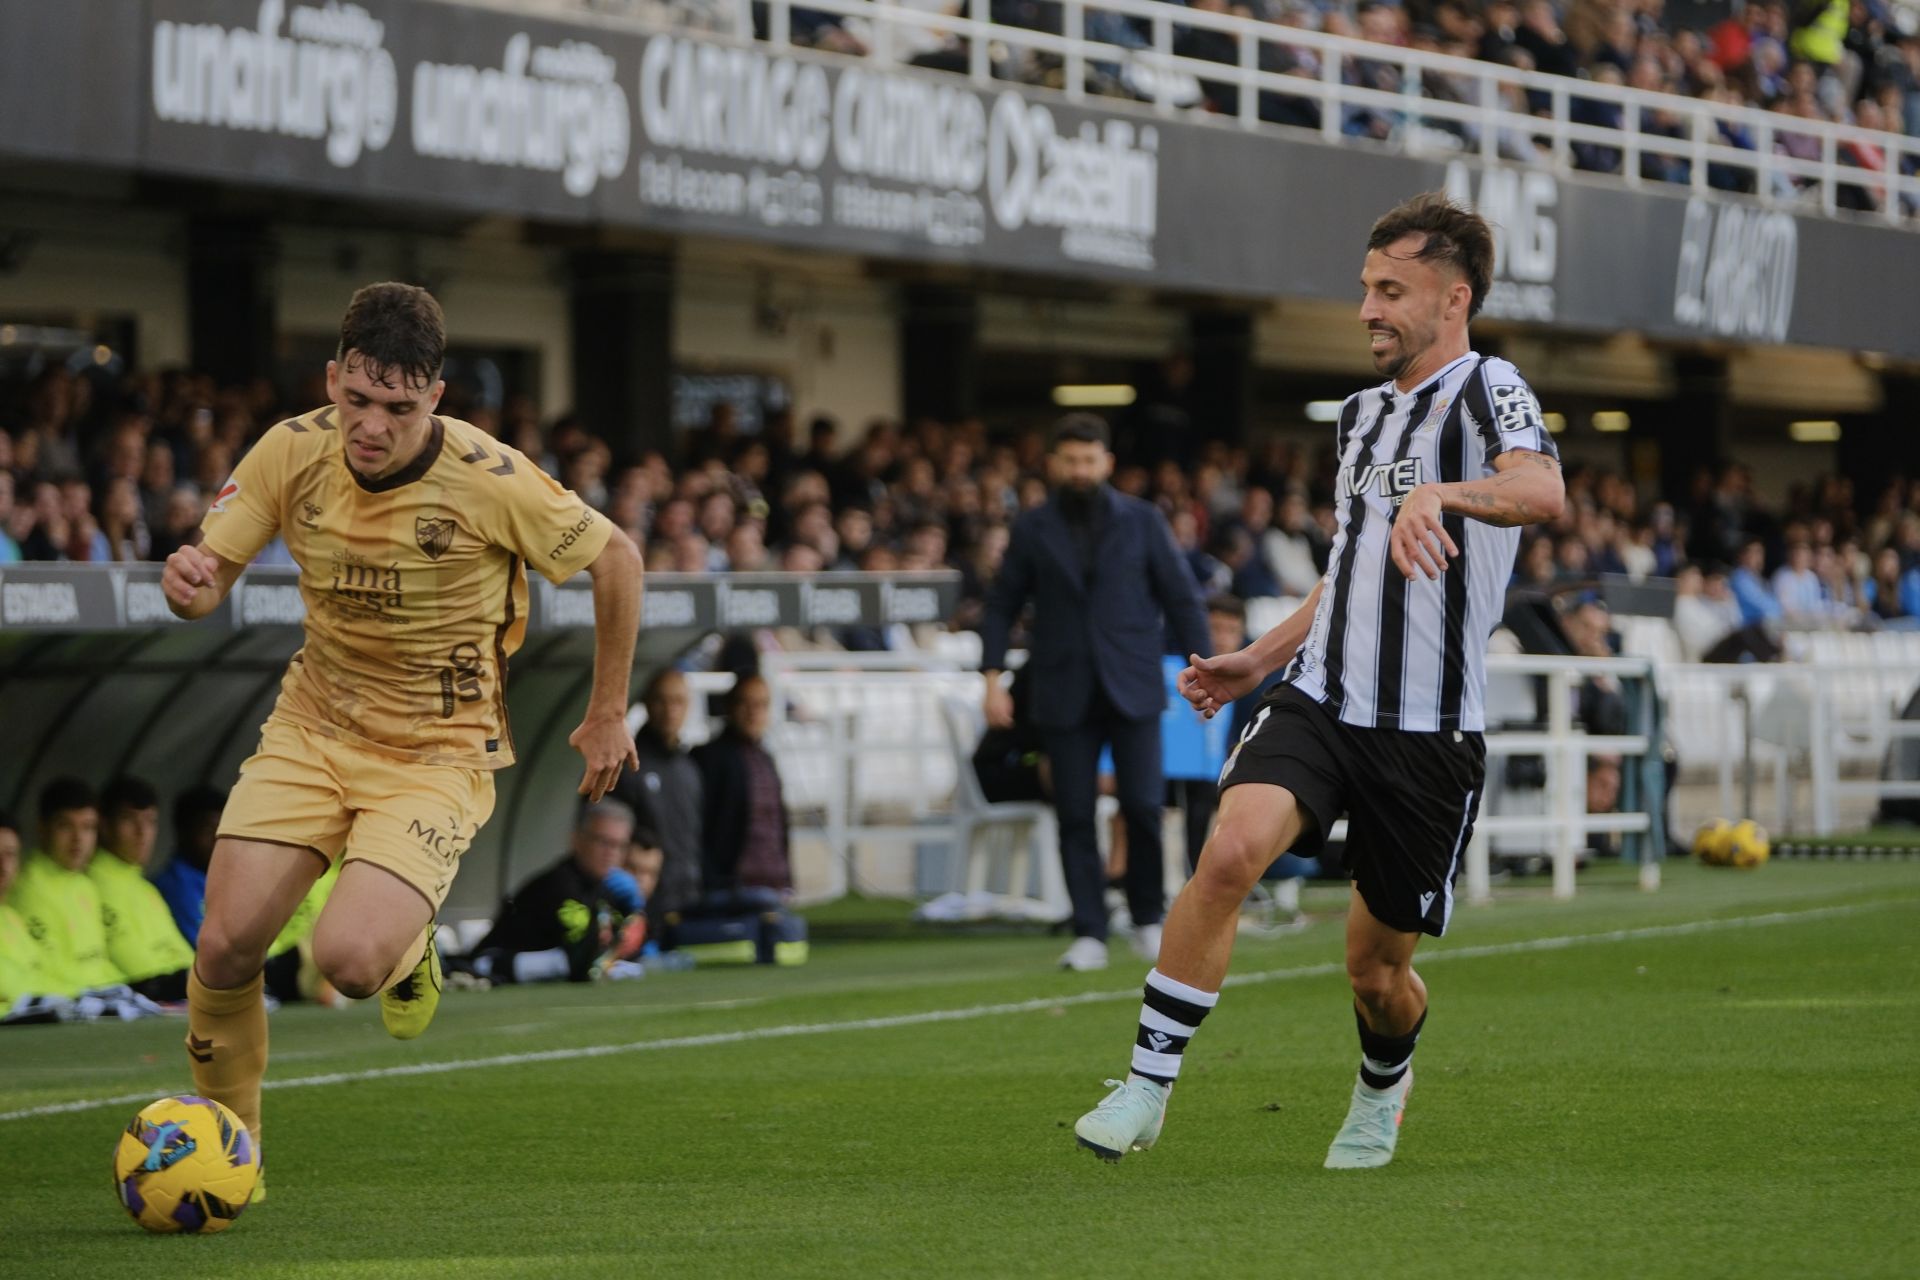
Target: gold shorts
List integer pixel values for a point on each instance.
(340, 800)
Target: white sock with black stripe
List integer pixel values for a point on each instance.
(1170, 1013)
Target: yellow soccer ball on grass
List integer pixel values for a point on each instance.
(1747, 845)
(1712, 843)
(185, 1164)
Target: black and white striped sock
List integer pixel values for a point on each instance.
(1385, 1059)
(1169, 1015)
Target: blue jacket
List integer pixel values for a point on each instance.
(184, 887)
(1100, 630)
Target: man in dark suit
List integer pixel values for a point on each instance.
(1105, 580)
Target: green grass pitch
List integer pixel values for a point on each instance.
(1649, 1099)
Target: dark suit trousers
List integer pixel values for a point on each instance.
(1074, 754)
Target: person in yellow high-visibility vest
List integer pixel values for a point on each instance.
(23, 970)
(56, 899)
(142, 940)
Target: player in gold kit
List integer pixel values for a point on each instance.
(412, 533)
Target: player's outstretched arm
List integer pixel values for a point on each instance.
(1213, 684)
(1526, 489)
(602, 738)
(195, 581)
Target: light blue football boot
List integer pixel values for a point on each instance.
(1372, 1129)
(1128, 1119)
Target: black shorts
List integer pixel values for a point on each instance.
(1409, 800)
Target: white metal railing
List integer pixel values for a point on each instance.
(866, 761)
(1828, 715)
(1485, 113)
(1565, 748)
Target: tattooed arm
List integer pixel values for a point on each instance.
(1526, 489)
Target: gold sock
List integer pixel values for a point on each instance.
(227, 1041)
(409, 958)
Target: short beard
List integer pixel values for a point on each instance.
(1394, 365)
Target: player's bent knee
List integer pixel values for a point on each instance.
(1233, 861)
(223, 960)
(353, 968)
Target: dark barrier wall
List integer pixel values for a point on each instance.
(479, 109)
(98, 678)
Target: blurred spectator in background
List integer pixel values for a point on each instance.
(1704, 611)
(183, 881)
(666, 795)
(1893, 592)
(1796, 587)
(745, 815)
(1749, 585)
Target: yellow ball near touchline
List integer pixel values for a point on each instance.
(185, 1164)
(1747, 845)
(1712, 842)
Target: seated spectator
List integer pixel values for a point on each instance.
(745, 814)
(666, 795)
(1293, 548)
(183, 881)
(1704, 611)
(58, 901)
(1750, 590)
(1797, 587)
(563, 925)
(23, 964)
(1249, 578)
(9, 549)
(1601, 707)
(1892, 593)
(1207, 564)
(142, 940)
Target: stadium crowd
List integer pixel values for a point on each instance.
(1843, 61)
(96, 470)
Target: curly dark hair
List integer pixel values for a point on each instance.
(394, 328)
(1456, 237)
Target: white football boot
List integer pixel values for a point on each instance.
(1372, 1128)
(1128, 1119)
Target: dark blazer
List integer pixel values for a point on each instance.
(1107, 627)
(726, 804)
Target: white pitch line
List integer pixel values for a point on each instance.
(1036, 1005)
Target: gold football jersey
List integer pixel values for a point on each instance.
(414, 583)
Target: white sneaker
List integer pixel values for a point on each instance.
(1146, 943)
(1372, 1127)
(1128, 1119)
(1085, 955)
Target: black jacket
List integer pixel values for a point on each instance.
(726, 805)
(666, 795)
(560, 907)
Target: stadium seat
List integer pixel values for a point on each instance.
(986, 834)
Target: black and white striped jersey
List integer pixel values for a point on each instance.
(1384, 651)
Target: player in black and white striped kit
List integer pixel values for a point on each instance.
(1380, 714)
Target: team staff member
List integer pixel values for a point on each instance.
(55, 897)
(142, 940)
(1105, 579)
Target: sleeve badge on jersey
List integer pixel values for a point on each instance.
(229, 490)
(434, 535)
(1515, 409)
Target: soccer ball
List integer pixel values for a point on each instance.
(1712, 842)
(1747, 845)
(185, 1164)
